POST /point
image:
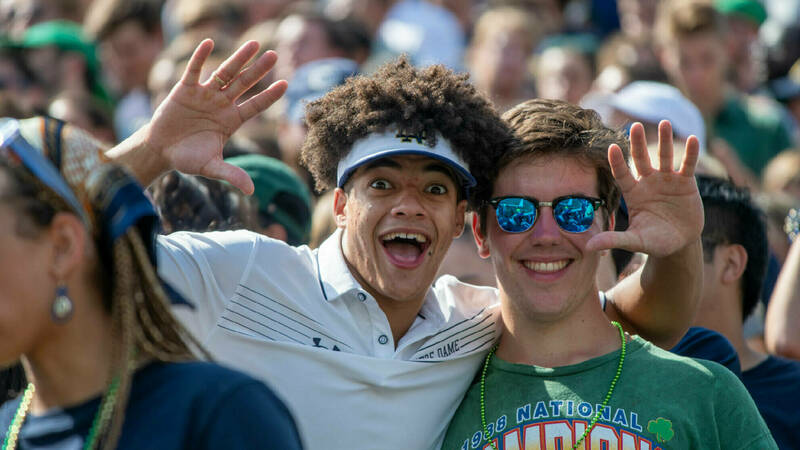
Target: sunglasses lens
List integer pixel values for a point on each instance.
(574, 215)
(515, 215)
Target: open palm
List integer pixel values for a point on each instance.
(664, 206)
(193, 123)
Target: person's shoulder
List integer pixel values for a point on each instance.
(692, 369)
(456, 294)
(231, 241)
(7, 412)
(707, 344)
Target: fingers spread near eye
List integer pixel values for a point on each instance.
(665, 146)
(641, 158)
(194, 68)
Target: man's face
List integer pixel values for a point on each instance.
(399, 214)
(544, 273)
(697, 64)
(129, 53)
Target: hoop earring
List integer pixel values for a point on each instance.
(62, 307)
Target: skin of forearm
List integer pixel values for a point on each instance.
(782, 325)
(659, 301)
(139, 156)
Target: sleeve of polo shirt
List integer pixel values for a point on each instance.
(205, 268)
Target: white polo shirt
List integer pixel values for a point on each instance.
(297, 319)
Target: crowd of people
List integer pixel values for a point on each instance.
(458, 224)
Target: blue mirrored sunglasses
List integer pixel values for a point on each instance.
(572, 213)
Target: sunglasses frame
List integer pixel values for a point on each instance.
(595, 202)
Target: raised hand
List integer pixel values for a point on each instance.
(664, 207)
(190, 127)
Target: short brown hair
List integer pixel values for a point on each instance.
(681, 18)
(417, 100)
(106, 16)
(556, 128)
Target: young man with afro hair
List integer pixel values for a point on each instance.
(365, 348)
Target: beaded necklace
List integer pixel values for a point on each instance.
(596, 414)
(98, 424)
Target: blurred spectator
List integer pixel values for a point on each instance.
(130, 38)
(787, 90)
(781, 334)
(564, 73)
(637, 17)
(550, 12)
(746, 54)
(322, 220)
(86, 112)
(426, 32)
(307, 35)
(283, 200)
(622, 59)
(735, 255)
(635, 103)
(310, 82)
(18, 83)
(497, 56)
(692, 35)
(16, 16)
(193, 203)
(782, 174)
(63, 59)
(204, 16)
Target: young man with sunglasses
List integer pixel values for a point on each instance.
(562, 376)
(356, 336)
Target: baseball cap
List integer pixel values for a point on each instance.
(312, 80)
(394, 142)
(282, 196)
(751, 9)
(653, 102)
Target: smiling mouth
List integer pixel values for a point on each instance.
(547, 267)
(405, 249)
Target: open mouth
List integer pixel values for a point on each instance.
(548, 267)
(405, 249)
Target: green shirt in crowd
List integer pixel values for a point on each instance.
(753, 127)
(661, 401)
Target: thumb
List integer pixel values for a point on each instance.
(232, 174)
(614, 239)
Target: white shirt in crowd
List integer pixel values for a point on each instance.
(297, 319)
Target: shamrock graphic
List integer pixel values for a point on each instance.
(662, 428)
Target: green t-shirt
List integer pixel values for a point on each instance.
(753, 127)
(661, 401)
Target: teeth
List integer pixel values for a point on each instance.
(415, 236)
(546, 267)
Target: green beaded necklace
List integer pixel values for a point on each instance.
(100, 419)
(596, 414)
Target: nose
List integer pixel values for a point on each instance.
(408, 204)
(545, 231)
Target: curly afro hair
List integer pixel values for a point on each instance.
(415, 100)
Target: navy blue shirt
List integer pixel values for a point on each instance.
(192, 405)
(707, 344)
(775, 386)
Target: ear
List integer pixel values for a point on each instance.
(69, 238)
(734, 260)
(480, 238)
(461, 218)
(339, 210)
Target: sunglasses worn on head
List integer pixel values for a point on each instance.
(573, 213)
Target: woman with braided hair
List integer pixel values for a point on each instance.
(82, 307)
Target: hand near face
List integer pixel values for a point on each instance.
(190, 127)
(664, 206)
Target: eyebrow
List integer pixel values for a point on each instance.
(392, 164)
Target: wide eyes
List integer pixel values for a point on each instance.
(436, 189)
(380, 184)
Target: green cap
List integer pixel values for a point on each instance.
(67, 35)
(752, 9)
(282, 196)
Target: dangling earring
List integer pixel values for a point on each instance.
(62, 305)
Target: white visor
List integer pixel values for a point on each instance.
(391, 142)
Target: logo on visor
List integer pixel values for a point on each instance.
(407, 137)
